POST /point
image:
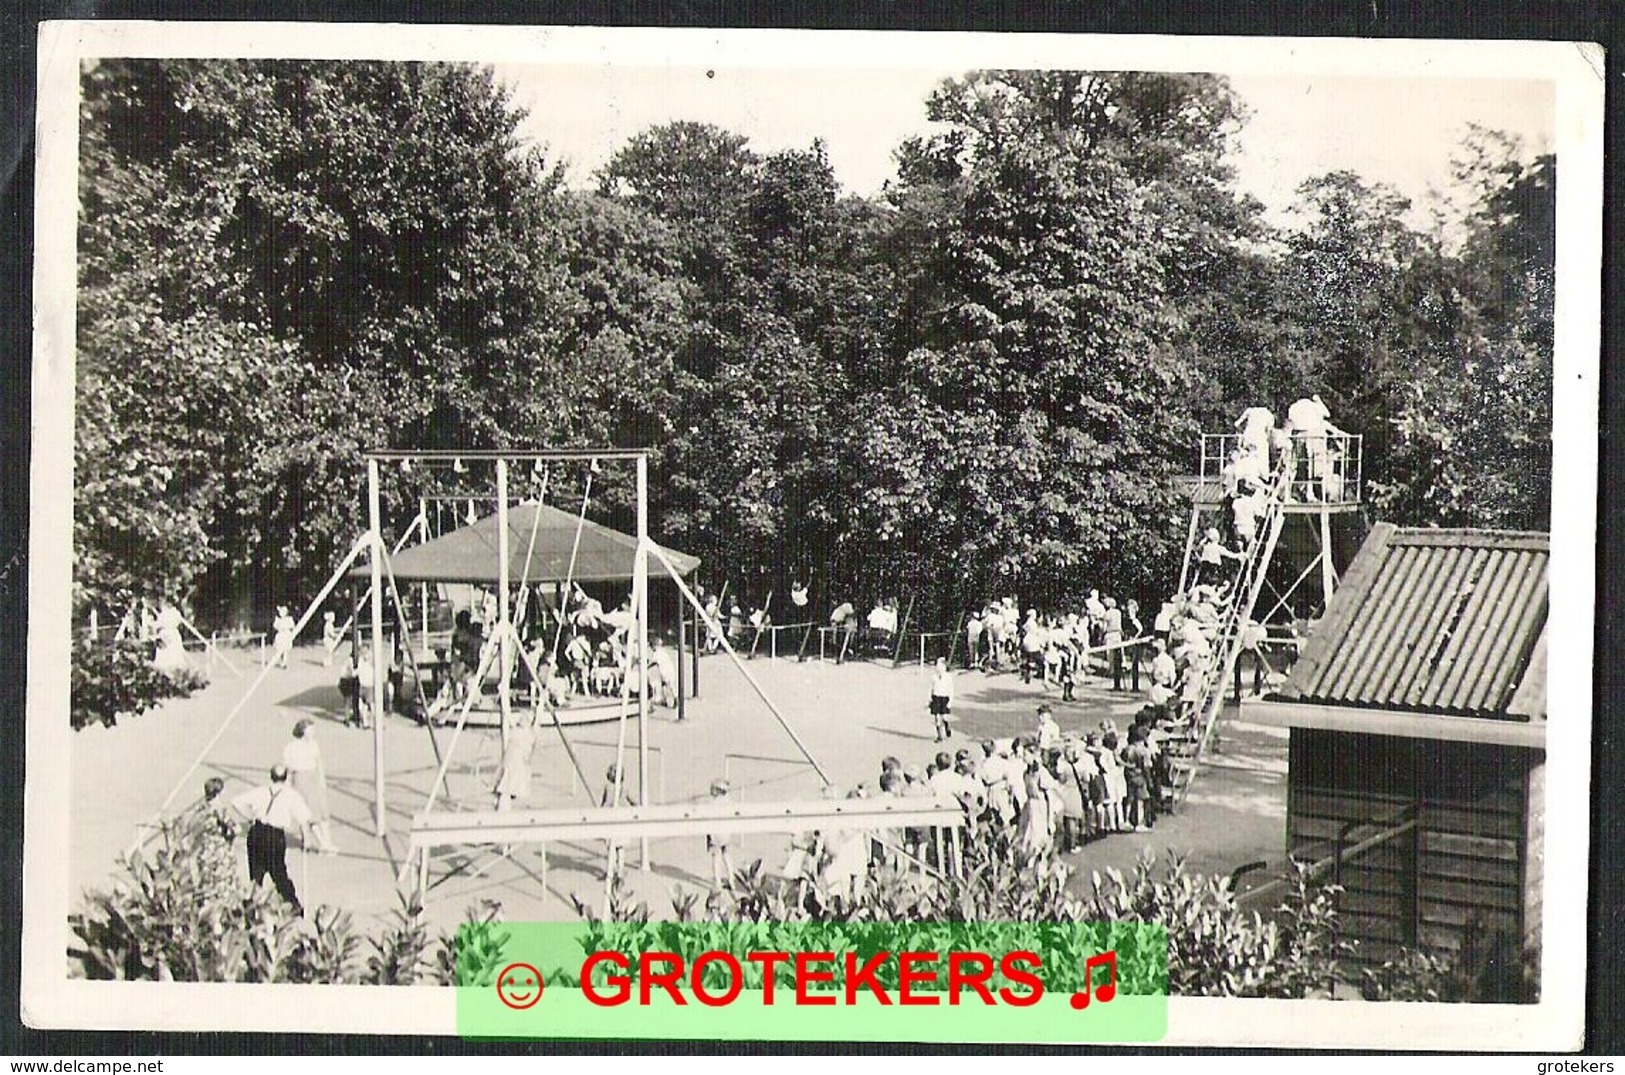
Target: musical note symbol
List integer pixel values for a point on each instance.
(1106, 990)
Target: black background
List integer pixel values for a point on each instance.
(1605, 988)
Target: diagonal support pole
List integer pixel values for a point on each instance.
(356, 550)
(658, 553)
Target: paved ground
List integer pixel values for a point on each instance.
(849, 717)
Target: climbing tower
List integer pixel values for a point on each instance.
(1286, 573)
(1320, 512)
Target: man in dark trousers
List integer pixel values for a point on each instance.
(272, 810)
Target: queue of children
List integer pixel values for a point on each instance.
(1056, 648)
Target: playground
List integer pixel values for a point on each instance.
(419, 792)
(849, 716)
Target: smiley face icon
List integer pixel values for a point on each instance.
(519, 986)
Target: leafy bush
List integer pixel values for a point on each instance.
(1214, 947)
(174, 914)
(1488, 968)
(116, 678)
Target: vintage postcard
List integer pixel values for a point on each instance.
(646, 534)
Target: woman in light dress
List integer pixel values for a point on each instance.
(1037, 824)
(171, 653)
(284, 627)
(513, 781)
(303, 759)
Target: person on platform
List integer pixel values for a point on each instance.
(1253, 429)
(273, 810)
(1310, 421)
(589, 611)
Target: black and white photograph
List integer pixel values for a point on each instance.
(793, 477)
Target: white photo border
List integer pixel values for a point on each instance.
(51, 1000)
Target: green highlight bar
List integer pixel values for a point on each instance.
(1062, 982)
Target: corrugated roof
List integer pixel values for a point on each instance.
(1434, 621)
(541, 542)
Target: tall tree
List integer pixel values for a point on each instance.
(1042, 317)
(1472, 429)
(378, 233)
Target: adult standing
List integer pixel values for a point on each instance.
(302, 757)
(216, 831)
(170, 655)
(1253, 429)
(331, 637)
(1310, 421)
(995, 624)
(1037, 824)
(844, 873)
(942, 699)
(272, 811)
(1095, 610)
(973, 639)
(1033, 640)
(283, 628)
(1113, 636)
(513, 780)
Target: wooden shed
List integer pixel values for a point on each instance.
(1417, 712)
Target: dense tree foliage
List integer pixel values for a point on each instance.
(985, 379)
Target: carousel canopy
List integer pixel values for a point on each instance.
(469, 554)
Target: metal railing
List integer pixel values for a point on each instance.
(1249, 582)
(1327, 468)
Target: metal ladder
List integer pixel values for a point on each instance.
(1248, 584)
